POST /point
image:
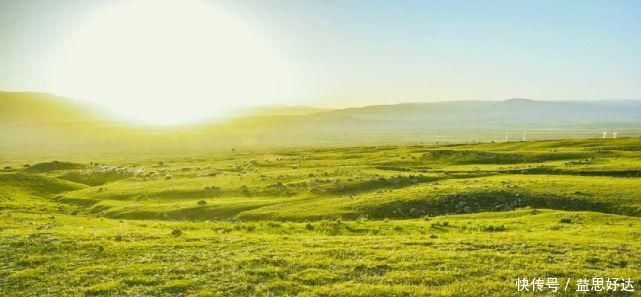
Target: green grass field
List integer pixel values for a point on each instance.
(448, 220)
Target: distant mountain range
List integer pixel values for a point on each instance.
(34, 119)
(508, 114)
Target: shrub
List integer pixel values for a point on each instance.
(566, 220)
(440, 224)
(274, 224)
(309, 226)
(492, 228)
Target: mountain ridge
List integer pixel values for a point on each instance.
(44, 121)
(12, 106)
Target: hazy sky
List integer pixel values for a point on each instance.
(346, 53)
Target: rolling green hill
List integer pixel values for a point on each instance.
(40, 108)
(394, 220)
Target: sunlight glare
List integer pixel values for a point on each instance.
(168, 62)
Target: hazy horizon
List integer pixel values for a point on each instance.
(89, 103)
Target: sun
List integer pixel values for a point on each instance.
(167, 62)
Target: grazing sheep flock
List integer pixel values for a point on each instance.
(153, 174)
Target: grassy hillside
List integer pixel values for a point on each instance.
(461, 255)
(38, 108)
(446, 220)
(374, 182)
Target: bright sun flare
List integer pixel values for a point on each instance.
(167, 62)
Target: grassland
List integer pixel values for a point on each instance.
(448, 220)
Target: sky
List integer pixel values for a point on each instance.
(331, 53)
